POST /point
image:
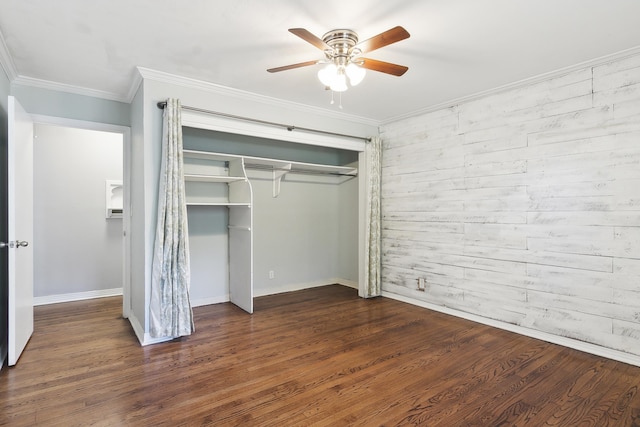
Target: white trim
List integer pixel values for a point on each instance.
(217, 89)
(517, 84)
(199, 302)
(136, 82)
(348, 283)
(6, 61)
(7, 64)
(137, 328)
(363, 180)
(145, 338)
(76, 296)
(224, 124)
(288, 288)
(63, 87)
(300, 286)
(597, 350)
(80, 124)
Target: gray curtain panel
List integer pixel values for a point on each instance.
(170, 308)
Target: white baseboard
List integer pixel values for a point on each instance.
(137, 327)
(143, 337)
(597, 350)
(348, 283)
(300, 286)
(77, 296)
(197, 302)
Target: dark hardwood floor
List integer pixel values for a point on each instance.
(320, 357)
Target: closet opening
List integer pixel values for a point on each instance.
(305, 234)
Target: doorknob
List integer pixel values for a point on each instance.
(16, 244)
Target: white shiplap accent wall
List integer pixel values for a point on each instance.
(523, 206)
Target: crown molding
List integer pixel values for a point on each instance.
(136, 82)
(518, 84)
(6, 61)
(161, 76)
(62, 87)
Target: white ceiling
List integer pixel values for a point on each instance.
(457, 47)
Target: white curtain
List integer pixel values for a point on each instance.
(373, 151)
(170, 309)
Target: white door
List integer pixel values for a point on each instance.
(20, 215)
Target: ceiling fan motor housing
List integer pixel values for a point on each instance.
(342, 43)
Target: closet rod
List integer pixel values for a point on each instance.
(301, 171)
(290, 128)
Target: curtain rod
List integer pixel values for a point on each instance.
(290, 128)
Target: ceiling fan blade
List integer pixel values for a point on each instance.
(310, 38)
(292, 66)
(383, 39)
(383, 67)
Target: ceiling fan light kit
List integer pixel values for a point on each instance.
(343, 56)
(335, 77)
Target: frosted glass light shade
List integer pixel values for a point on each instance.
(355, 73)
(328, 74)
(339, 83)
(335, 77)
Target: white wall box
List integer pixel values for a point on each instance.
(114, 197)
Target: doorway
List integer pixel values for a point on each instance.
(81, 243)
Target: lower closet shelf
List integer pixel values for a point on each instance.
(246, 205)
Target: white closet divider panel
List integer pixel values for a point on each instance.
(241, 265)
(240, 238)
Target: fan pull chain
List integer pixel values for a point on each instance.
(339, 98)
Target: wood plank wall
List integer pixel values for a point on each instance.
(523, 206)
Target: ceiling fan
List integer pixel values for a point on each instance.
(343, 56)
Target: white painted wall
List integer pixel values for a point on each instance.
(209, 254)
(76, 249)
(523, 206)
(296, 235)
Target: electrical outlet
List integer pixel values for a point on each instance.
(272, 274)
(422, 284)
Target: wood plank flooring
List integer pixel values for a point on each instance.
(318, 357)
